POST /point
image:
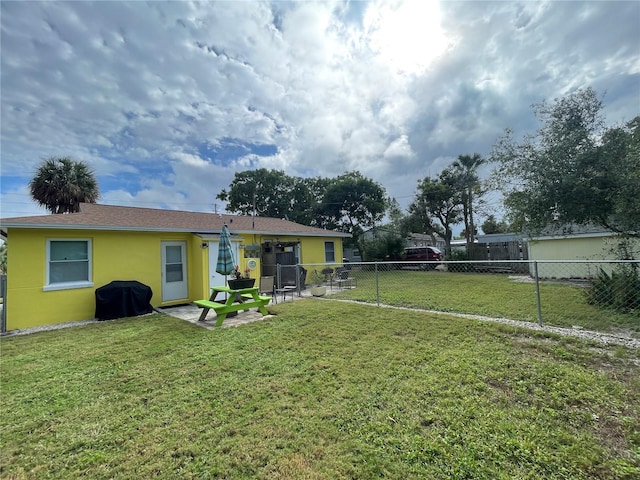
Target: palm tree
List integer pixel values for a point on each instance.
(61, 184)
(466, 166)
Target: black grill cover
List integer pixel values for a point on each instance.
(120, 299)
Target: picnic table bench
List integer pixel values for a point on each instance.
(241, 299)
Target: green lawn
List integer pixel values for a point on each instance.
(324, 390)
(490, 295)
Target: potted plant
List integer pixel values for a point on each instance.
(239, 281)
(317, 288)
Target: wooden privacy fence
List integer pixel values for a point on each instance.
(514, 250)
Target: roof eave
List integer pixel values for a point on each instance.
(575, 235)
(327, 233)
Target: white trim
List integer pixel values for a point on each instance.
(66, 286)
(178, 290)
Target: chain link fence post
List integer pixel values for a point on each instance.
(278, 275)
(535, 272)
(377, 285)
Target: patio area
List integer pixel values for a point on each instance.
(190, 312)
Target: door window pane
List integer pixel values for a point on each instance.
(174, 273)
(174, 254)
(173, 267)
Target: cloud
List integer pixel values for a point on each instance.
(167, 101)
(399, 148)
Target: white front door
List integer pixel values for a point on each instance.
(174, 271)
(216, 279)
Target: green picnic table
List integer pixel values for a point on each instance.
(242, 299)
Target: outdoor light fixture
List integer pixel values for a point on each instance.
(204, 245)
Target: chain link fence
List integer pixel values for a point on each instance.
(590, 294)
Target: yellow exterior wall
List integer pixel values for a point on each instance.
(115, 255)
(573, 248)
(311, 249)
(198, 268)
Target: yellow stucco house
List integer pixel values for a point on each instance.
(56, 262)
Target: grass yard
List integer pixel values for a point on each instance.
(324, 390)
(490, 295)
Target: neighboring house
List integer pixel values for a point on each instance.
(351, 255)
(499, 237)
(575, 243)
(458, 246)
(424, 240)
(375, 233)
(56, 262)
(412, 240)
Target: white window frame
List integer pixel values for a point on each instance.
(68, 285)
(327, 251)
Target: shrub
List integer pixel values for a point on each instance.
(383, 248)
(459, 256)
(619, 291)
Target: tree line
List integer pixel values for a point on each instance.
(349, 203)
(571, 171)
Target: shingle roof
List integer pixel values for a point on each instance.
(109, 217)
(572, 230)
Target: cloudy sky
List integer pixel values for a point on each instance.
(166, 100)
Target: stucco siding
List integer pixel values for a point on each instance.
(312, 250)
(197, 261)
(114, 256)
(573, 248)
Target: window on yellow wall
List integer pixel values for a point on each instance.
(329, 252)
(68, 264)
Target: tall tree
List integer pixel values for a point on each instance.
(352, 203)
(572, 170)
(621, 178)
(491, 225)
(438, 199)
(60, 184)
(267, 193)
(466, 167)
(348, 203)
(396, 215)
(315, 214)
